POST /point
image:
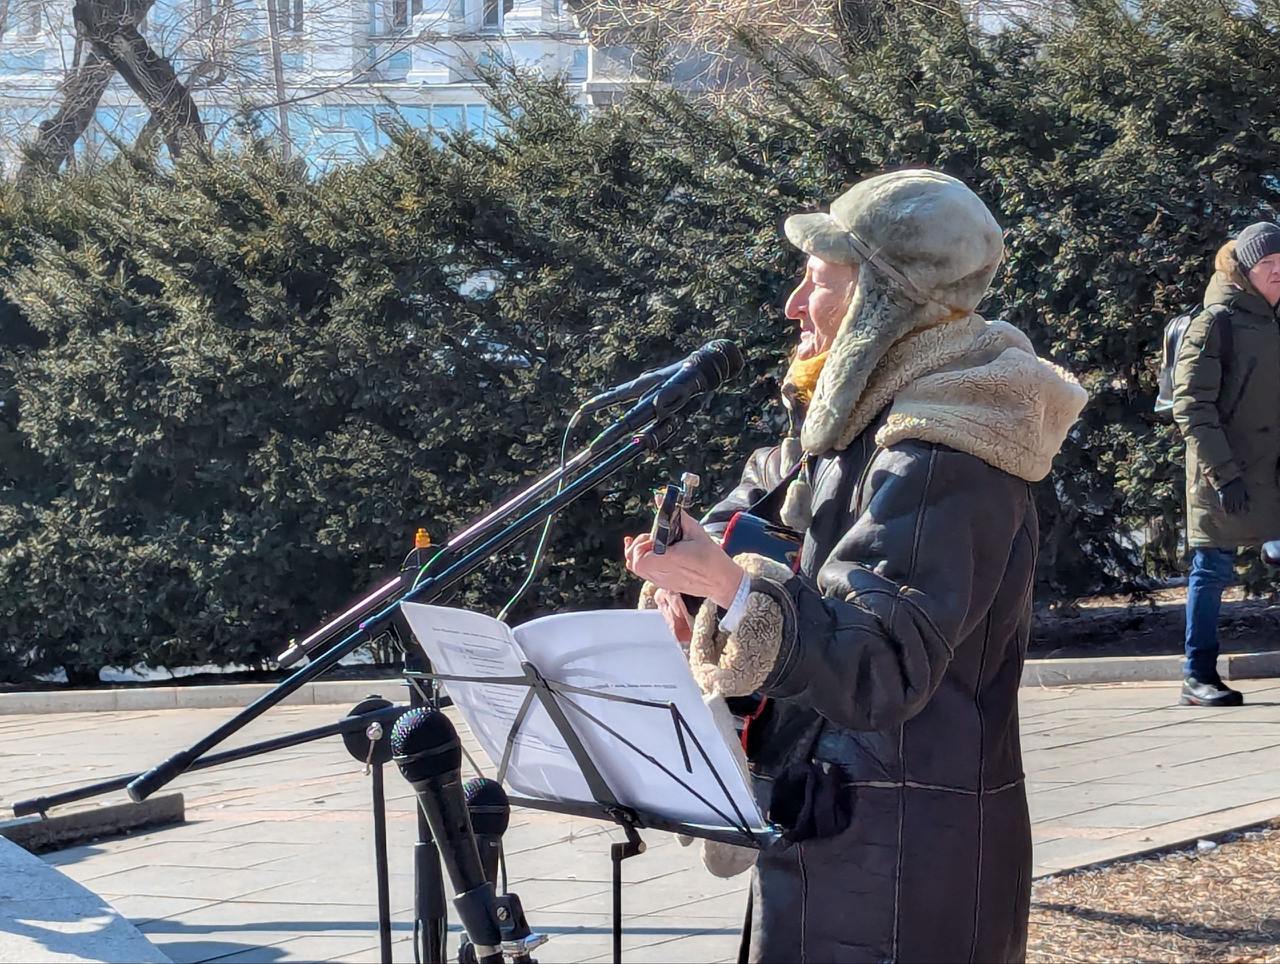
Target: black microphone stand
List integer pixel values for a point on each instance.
(603, 458)
(431, 909)
(645, 429)
(430, 588)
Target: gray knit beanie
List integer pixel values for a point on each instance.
(1256, 242)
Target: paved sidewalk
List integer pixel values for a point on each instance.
(275, 863)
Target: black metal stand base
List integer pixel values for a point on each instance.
(633, 846)
(373, 749)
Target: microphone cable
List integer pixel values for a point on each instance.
(536, 562)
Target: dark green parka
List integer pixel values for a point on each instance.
(1228, 410)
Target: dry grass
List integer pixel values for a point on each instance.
(1219, 905)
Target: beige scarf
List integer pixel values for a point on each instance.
(802, 377)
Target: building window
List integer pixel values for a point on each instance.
(289, 16)
(393, 16)
(24, 19)
(494, 13)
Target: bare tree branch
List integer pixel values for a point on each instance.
(82, 89)
(56, 137)
(112, 29)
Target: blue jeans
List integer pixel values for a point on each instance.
(1212, 571)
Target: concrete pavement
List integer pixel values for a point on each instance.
(46, 917)
(275, 863)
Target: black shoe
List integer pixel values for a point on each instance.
(1210, 691)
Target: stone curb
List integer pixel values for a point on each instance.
(39, 834)
(1037, 672)
(1140, 669)
(236, 695)
(1216, 831)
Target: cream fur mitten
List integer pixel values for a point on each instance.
(738, 663)
(648, 596)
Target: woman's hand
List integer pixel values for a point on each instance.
(695, 565)
(676, 613)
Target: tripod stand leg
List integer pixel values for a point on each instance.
(632, 846)
(430, 912)
(380, 858)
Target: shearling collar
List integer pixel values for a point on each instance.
(972, 385)
(996, 401)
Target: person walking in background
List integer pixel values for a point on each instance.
(1227, 406)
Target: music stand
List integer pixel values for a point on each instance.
(606, 805)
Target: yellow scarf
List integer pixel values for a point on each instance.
(803, 376)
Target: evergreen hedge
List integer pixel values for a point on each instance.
(232, 391)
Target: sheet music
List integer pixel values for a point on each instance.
(613, 652)
(462, 643)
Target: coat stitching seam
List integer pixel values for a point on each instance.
(922, 509)
(804, 902)
(982, 776)
(900, 593)
(935, 787)
(902, 749)
(902, 819)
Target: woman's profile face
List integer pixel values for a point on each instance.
(820, 303)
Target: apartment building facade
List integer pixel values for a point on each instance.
(327, 78)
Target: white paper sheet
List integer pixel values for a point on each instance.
(613, 652)
(461, 643)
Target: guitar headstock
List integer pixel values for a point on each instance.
(672, 500)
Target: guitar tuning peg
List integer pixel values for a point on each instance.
(689, 481)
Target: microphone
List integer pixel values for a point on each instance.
(490, 816)
(703, 371)
(706, 368)
(633, 389)
(425, 746)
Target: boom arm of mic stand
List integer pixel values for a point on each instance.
(374, 600)
(349, 724)
(431, 588)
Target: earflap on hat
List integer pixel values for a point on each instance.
(927, 249)
(881, 314)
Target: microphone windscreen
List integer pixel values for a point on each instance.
(425, 744)
(490, 809)
(728, 351)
